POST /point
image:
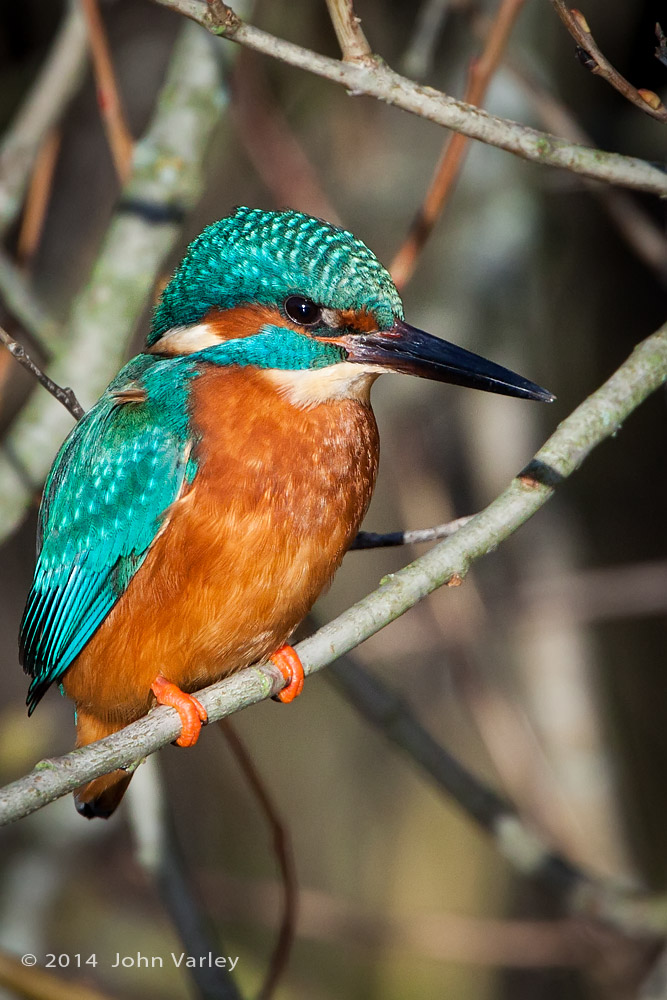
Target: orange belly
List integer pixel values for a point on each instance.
(278, 497)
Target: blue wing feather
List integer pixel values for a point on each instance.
(104, 502)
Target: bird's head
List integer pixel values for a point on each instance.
(289, 293)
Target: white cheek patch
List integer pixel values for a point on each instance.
(312, 386)
(187, 339)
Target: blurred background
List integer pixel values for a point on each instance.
(543, 673)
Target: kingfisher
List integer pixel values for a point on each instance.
(197, 510)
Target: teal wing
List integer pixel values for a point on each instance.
(103, 505)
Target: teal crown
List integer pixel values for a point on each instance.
(264, 257)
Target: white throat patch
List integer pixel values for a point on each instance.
(311, 386)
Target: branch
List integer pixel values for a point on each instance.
(371, 540)
(63, 395)
(347, 26)
(576, 24)
(57, 82)
(480, 74)
(143, 232)
(37, 198)
(108, 98)
(376, 80)
(596, 419)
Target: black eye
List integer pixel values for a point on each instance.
(302, 311)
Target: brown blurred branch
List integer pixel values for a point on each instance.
(480, 74)
(37, 198)
(576, 24)
(375, 79)
(65, 396)
(108, 97)
(347, 26)
(282, 846)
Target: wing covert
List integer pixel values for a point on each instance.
(104, 502)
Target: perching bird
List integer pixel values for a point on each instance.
(195, 513)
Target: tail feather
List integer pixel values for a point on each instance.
(99, 797)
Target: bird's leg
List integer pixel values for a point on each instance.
(288, 663)
(191, 711)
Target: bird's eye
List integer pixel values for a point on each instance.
(302, 311)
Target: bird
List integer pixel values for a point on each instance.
(194, 514)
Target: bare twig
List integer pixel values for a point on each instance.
(63, 395)
(282, 846)
(377, 80)
(480, 74)
(371, 540)
(595, 420)
(57, 82)
(37, 199)
(108, 97)
(576, 24)
(348, 30)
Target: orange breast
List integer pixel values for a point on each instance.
(278, 497)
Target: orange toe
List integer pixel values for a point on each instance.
(191, 711)
(288, 663)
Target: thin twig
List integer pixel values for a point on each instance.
(37, 198)
(595, 420)
(480, 74)
(41, 111)
(348, 30)
(376, 80)
(576, 24)
(63, 395)
(108, 97)
(372, 540)
(282, 846)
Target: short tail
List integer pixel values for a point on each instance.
(101, 796)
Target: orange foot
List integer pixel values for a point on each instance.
(288, 663)
(191, 711)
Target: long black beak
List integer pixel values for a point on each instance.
(406, 349)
